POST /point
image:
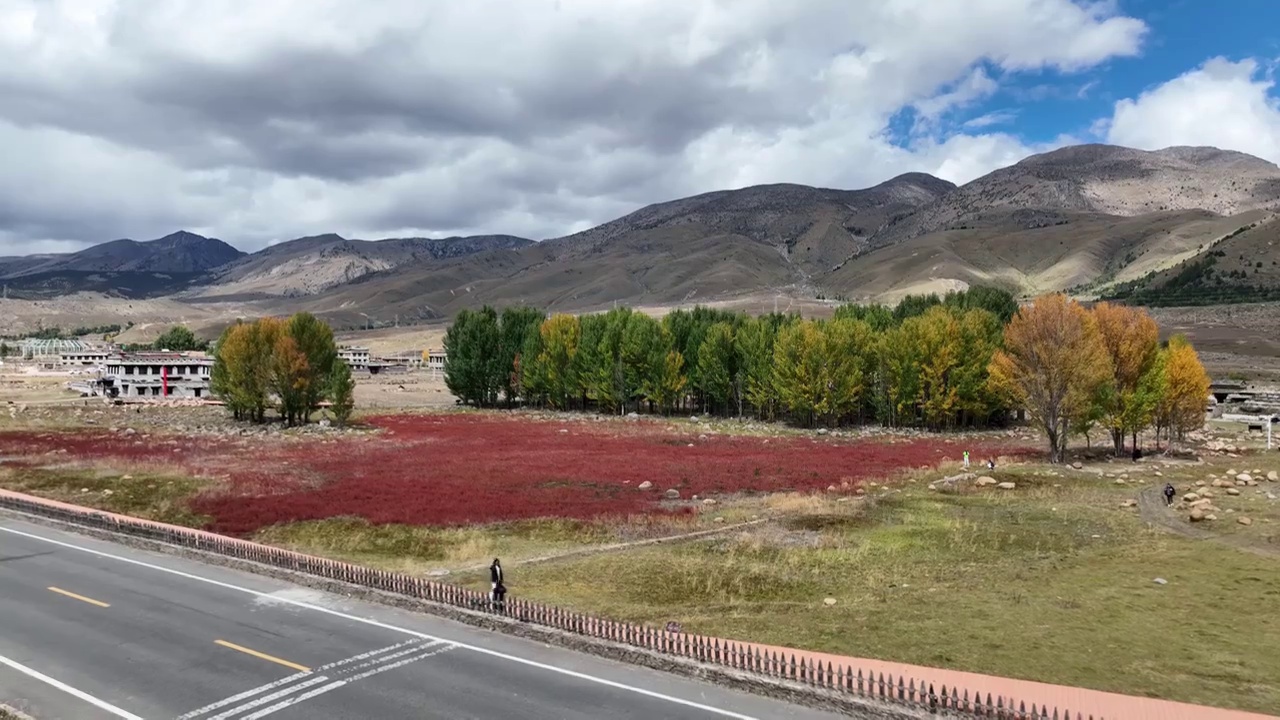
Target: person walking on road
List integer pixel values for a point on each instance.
(498, 591)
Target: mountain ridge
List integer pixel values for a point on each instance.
(1083, 215)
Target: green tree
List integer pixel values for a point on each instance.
(644, 350)
(516, 324)
(179, 338)
(798, 373)
(755, 361)
(717, 366)
(341, 392)
(668, 385)
(473, 366)
(314, 340)
(898, 369)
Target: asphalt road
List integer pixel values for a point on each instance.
(91, 629)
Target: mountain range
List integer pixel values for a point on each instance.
(1095, 219)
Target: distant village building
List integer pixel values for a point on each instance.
(435, 359)
(157, 375)
(357, 357)
(86, 357)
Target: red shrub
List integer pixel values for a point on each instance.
(452, 469)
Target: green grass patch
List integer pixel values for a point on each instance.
(155, 496)
(1044, 583)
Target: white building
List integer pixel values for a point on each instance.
(86, 357)
(157, 375)
(357, 357)
(435, 359)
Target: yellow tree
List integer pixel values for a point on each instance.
(843, 345)
(1132, 340)
(291, 379)
(1181, 405)
(937, 337)
(1052, 364)
(560, 338)
(797, 368)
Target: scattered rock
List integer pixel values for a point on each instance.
(1006, 486)
(1077, 465)
(709, 501)
(130, 431)
(1159, 474)
(645, 485)
(822, 431)
(985, 481)
(1200, 483)
(126, 477)
(1244, 521)
(1233, 472)
(673, 494)
(718, 520)
(861, 491)
(1244, 477)
(1273, 476)
(1129, 504)
(1160, 581)
(1120, 481)
(694, 418)
(1210, 516)
(829, 601)
(1205, 493)
(1190, 497)
(1233, 491)
(1197, 515)
(832, 488)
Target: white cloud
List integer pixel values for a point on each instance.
(262, 121)
(1221, 103)
(997, 117)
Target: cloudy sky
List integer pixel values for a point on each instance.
(259, 122)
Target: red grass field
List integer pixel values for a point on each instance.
(459, 469)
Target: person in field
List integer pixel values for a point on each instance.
(1169, 492)
(498, 591)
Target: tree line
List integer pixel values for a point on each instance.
(1075, 369)
(288, 365)
(966, 359)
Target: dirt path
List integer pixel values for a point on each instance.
(1152, 509)
(615, 547)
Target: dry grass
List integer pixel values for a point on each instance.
(156, 494)
(1052, 581)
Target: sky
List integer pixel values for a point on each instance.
(261, 122)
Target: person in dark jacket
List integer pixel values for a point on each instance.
(1169, 492)
(498, 591)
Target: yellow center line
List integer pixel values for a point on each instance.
(81, 598)
(264, 656)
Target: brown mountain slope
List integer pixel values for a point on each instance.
(1100, 179)
(308, 265)
(671, 265)
(812, 228)
(1079, 249)
(1242, 266)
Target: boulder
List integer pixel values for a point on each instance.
(1197, 515)
(1121, 481)
(829, 601)
(1244, 521)
(718, 520)
(1190, 497)
(1244, 477)
(1205, 493)
(1210, 516)
(673, 494)
(709, 501)
(1273, 476)
(1233, 491)
(1220, 483)
(1129, 504)
(985, 481)
(1006, 486)
(645, 485)
(1077, 465)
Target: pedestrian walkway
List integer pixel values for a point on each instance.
(1111, 706)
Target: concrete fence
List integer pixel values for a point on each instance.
(912, 693)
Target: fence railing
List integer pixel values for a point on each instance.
(912, 693)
